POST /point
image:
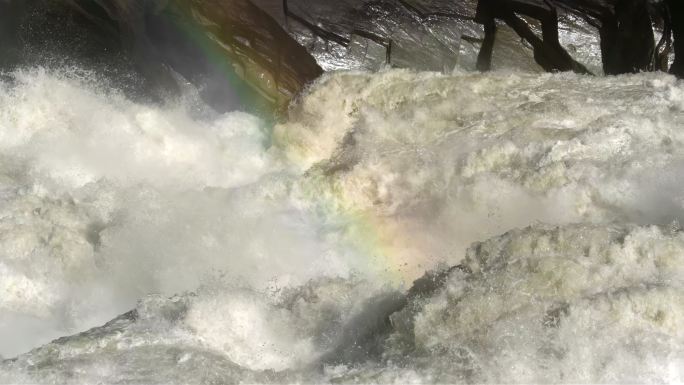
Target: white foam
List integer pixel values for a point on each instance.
(104, 201)
(378, 176)
(448, 160)
(252, 333)
(577, 304)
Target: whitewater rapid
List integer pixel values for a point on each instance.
(282, 254)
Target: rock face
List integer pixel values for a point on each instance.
(8, 32)
(232, 51)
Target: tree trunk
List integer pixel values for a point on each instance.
(485, 14)
(677, 22)
(548, 52)
(627, 40)
(484, 57)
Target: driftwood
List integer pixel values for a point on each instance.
(625, 28)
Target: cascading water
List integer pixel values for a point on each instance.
(424, 225)
(261, 254)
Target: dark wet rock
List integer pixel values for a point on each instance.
(233, 52)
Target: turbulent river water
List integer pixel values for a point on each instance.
(281, 254)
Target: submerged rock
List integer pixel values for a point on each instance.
(572, 304)
(577, 303)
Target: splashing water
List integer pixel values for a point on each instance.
(262, 254)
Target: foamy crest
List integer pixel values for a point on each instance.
(104, 201)
(576, 304)
(252, 333)
(448, 160)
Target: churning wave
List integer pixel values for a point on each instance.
(287, 254)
